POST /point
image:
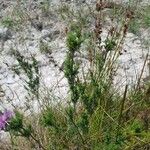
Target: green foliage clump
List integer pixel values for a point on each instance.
(8, 22)
(48, 118)
(16, 122)
(83, 122)
(109, 45)
(140, 20)
(16, 126)
(31, 70)
(74, 38)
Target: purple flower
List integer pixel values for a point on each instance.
(4, 118)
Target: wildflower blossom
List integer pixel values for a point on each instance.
(5, 118)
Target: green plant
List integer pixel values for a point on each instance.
(31, 70)
(134, 26)
(146, 17)
(74, 40)
(141, 20)
(17, 127)
(8, 22)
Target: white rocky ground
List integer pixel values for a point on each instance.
(27, 41)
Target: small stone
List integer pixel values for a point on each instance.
(37, 25)
(52, 34)
(5, 34)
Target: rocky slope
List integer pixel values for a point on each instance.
(34, 29)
